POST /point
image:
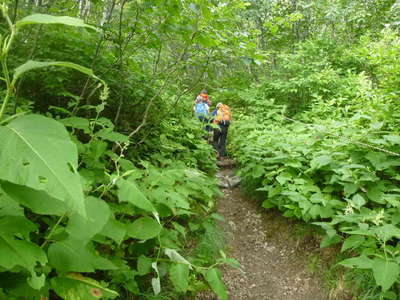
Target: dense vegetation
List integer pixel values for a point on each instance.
(319, 140)
(106, 185)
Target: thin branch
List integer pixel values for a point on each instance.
(97, 52)
(14, 17)
(146, 112)
(121, 55)
(30, 56)
(157, 60)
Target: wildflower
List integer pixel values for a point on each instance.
(348, 210)
(105, 93)
(378, 220)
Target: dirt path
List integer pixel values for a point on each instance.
(274, 261)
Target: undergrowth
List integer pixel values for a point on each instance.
(335, 165)
(86, 212)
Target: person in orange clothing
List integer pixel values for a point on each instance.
(223, 118)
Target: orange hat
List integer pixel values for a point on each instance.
(205, 96)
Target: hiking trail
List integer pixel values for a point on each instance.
(273, 260)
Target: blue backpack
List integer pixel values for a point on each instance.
(201, 109)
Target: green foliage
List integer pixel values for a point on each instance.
(213, 276)
(179, 276)
(31, 65)
(48, 19)
(38, 166)
(335, 165)
(130, 203)
(76, 286)
(90, 199)
(112, 176)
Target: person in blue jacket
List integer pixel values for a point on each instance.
(202, 111)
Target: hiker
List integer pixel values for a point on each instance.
(202, 111)
(204, 95)
(223, 118)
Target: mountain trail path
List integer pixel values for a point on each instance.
(274, 260)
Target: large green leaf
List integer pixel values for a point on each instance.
(109, 135)
(352, 242)
(144, 228)
(37, 152)
(381, 160)
(31, 65)
(12, 225)
(395, 139)
(129, 192)
(213, 277)
(386, 232)
(144, 265)
(178, 200)
(38, 201)
(361, 262)
(84, 228)
(73, 255)
(358, 201)
(9, 207)
(206, 40)
(16, 252)
(74, 286)
(320, 161)
(49, 19)
(385, 272)
(77, 122)
(114, 230)
(16, 284)
(179, 275)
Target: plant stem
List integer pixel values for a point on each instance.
(3, 60)
(52, 230)
(9, 87)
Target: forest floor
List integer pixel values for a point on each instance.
(276, 260)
